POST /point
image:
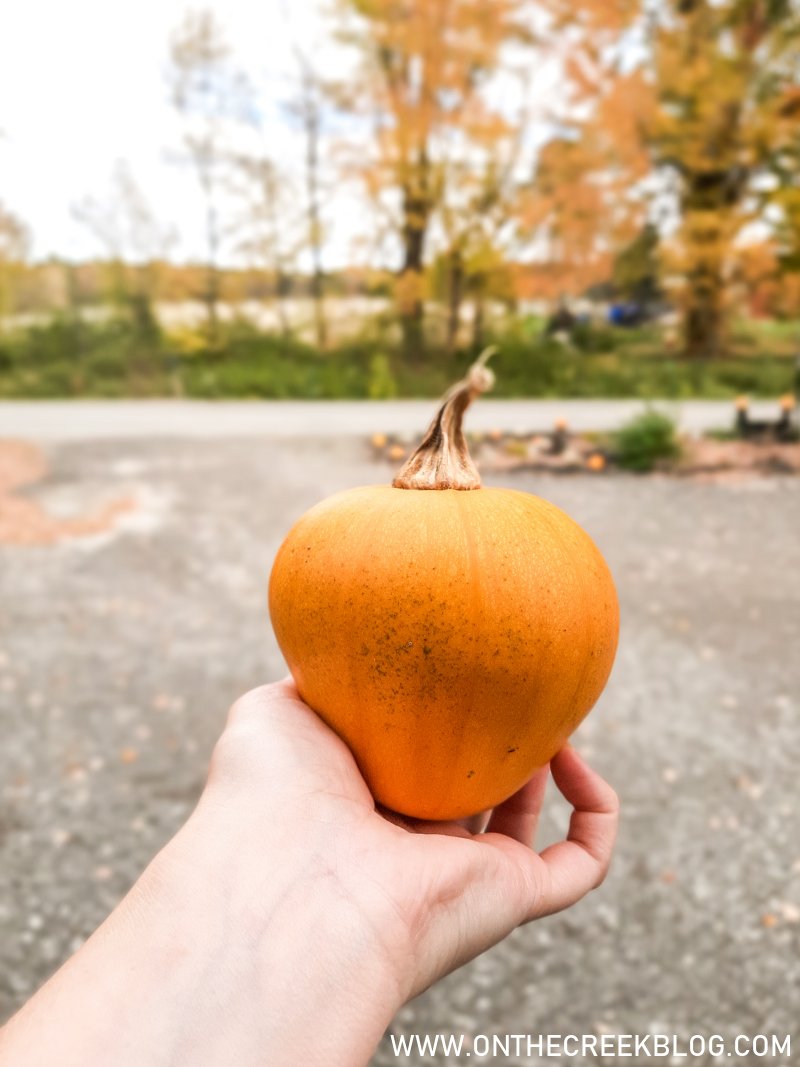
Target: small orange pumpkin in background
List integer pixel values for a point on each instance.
(453, 636)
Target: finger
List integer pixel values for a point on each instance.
(475, 824)
(574, 867)
(518, 816)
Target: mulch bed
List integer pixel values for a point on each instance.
(560, 452)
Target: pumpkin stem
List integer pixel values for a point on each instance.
(443, 461)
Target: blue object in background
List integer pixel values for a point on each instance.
(626, 314)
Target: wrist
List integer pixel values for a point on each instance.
(215, 970)
(307, 969)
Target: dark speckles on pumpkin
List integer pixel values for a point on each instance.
(470, 774)
(510, 750)
(426, 651)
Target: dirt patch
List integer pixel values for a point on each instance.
(24, 521)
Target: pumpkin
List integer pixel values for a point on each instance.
(454, 636)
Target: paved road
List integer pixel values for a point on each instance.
(119, 655)
(85, 420)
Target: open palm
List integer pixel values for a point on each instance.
(436, 894)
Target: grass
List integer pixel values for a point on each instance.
(68, 357)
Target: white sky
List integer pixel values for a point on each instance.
(82, 85)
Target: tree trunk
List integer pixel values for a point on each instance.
(211, 300)
(416, 211)
(478, 317)
(714, 179)
(281, 289)
(455, 287)
(318, 296)
(211, 289)
(315, 228)
(274, 249)
(703, 318)
(708, 230)
(309, 108)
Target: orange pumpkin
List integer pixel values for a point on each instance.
(454, 636)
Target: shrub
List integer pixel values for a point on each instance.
(382, 385)
(645, 440)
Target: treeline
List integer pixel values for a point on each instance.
(519, 149)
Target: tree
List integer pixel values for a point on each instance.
(14, 243)
(784, 197)
(725, 73)
(270, 241)
(281, 225)
(585, 201)
(135, 244)
(210, 96)
(479, 210)
(424, 67)
(307, 107)
(636, 268)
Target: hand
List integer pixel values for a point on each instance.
(293, 919)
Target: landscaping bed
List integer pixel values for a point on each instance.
(649, 443)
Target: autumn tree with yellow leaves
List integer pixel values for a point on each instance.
(727, 112)
(582, 207)
(708, 111)
(423, 68)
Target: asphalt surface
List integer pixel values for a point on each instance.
(82, 420)
(120, 653)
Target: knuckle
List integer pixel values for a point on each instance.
(611, 803)
(533, 886)
(603, 867)
(601, 875)
(612, 800)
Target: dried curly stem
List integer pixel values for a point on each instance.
(443, 461)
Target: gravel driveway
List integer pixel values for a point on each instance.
(121, 651)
